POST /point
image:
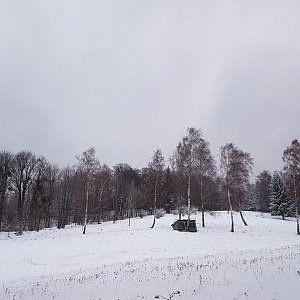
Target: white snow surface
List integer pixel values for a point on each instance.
(115, 261)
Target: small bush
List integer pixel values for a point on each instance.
(175, 212)
(142, 213)
(160, 213)
(193, 210)
(184, 211)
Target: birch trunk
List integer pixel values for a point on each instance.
(231, 212)
(86, 209)
(155, 203)
(241, 214)
(243, 219)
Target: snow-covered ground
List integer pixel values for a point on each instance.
(115, 261)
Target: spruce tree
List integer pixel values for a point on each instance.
(280, 205)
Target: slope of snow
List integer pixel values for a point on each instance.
(115, 261)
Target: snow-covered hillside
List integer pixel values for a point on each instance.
(115, 261)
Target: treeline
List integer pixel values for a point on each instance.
(36, 194)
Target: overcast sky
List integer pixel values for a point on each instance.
(129, 76)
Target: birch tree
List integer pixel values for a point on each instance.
(184, 160)
(225, 167)
(236, 167)
(87, 164)
(156, 167)
(242, 165)
(205, 172)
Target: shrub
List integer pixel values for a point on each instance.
(142, 213)
(160, 213)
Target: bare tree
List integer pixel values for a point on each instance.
(205, 172)
(66, 194)
(39, 199)
(156, 167)
(130, 201)
(291, 158)
(5, 173)
(51, 190)
(23, 169)
(102, 182)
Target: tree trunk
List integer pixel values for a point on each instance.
(99, 206)
(48, 217)
(189, 202)
(2, 197)
(129, 208)
(155, 204)
(20, 220)
(232, 222)
(231, 212)
(2, 202)
(86, 209)
(240, 210)
(297, 219)
(202, 202)
(65, 212)
(296, 203)
(241, 214)
(99, 217)
(38, 224)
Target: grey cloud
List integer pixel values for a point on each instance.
(130, 76)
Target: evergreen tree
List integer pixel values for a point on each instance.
(262, 184)
(280, 205)
(291, 158)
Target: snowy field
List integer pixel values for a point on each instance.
(115, 261)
